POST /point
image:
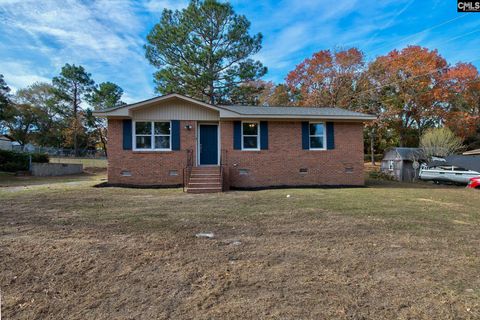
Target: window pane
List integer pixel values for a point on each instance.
(144, 142)
(162, 128)
(250, 142)
(250, 128)
(316, 142)
(316, 129)
(143, 127)
(162, 142)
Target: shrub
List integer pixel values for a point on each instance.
(12, 161)
(40, 157)
(378, 175)
(440, 142)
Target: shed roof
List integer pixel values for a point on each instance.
(6, 138)
(404, 154)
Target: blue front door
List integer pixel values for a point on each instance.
(208, 144)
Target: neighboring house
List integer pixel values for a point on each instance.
(16, 146)
(6, 143)
(402, 163)
(171, 139)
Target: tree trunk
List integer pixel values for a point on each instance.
(372, 146)
(419, 132)
(401, 137)
(211, 90)
(75, 122)
(103, 140)
(212, 98)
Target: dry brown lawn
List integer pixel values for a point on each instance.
(389, 251)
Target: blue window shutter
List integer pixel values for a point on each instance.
(237, 135)
(127, 134)
(264, 135)
(175, 135)
(305, 135)
(330, 136)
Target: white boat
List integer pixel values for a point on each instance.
(446, 173)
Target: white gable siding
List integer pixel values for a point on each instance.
(175, 110)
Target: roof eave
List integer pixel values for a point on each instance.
(297, 117)
(145, 103)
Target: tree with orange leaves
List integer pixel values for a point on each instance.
(462, 94)
(327, 78)
(410, 86)
(409, 90)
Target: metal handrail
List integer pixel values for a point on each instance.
(183, 178)
(221, 176)
(189, 158)
(188, 169)
(223, 158)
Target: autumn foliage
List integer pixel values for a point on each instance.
(409, 90)
(326, 79)
(462, 92)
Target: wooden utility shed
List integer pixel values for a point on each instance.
(399, 163)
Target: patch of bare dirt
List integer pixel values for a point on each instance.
(92, 255)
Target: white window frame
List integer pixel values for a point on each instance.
(251, 135)
(391, 165)
(152, 136)
(317, 135)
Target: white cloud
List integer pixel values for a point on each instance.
(101, 35)
(107, 36)
(296, 29)
(157, 6)
(19, 75)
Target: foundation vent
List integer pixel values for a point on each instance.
(125, 173)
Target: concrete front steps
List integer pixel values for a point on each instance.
(205, 180)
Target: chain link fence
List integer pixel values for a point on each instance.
(62, 152)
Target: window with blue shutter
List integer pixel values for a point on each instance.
(127, 134)
(237, 135)
(318, 136)
(175, 135)
(263, 135)
(154, 135)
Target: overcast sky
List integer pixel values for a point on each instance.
(107, 36)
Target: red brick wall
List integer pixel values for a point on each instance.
(277, 166)
(280, 164)
(147, 167)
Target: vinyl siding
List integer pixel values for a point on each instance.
(179, 110)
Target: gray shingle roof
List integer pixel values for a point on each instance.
(294, 111)
(228, 112)
(404, 154)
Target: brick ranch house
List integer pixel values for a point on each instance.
(175, 140)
